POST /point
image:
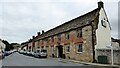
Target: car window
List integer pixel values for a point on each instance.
(43, 50)
(38, 51)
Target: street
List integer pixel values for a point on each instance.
(17, 60)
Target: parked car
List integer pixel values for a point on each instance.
(41, 53)
(25, 52)
(7, 53)
(28, 53)
(32, 54)
(21, 51)
(37, 54)
(2, 56)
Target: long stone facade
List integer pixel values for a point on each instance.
(75, 39)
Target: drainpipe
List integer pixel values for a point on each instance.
(112, 55)
(93, 47)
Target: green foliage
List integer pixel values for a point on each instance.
(15, 45)
(8, 46)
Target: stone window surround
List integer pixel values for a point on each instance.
(67, 36)
(79, 33)
(77, 49)
(67, 48)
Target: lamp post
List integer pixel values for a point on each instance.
(112, 55)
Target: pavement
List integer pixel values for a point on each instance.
(94, 64)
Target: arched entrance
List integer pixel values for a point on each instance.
(59, 51)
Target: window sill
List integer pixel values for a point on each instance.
(67, 52)
(79, 52)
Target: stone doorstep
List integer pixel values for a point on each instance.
(87, 63)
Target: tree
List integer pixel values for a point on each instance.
(15, 45)
(7, 45)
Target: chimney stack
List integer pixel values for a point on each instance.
(42, 31)
(33, 37)
(100, 4)
(38, 33)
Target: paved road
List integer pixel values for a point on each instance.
(17, 59)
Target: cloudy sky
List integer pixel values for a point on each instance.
(21, 19)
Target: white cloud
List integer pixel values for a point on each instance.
(23, 18)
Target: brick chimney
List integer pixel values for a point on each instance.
(33, 37)
(100, 4)
(42, 31)
(38, 33)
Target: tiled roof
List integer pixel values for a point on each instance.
(72, 24)
(115, 40)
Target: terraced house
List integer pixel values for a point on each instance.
(76, 39)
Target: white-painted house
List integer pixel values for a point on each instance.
(103, 33)
(103, 39)
(2, 47)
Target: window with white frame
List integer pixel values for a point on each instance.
(67, 48)
(79, 48)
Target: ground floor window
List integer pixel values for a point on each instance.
(68, 48)
(79, 48)
(42, 47)
(52, 49)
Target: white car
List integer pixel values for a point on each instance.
(41, 53)
(32, 53)
(21, 51)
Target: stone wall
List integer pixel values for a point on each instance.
(87, 53)
(107, 52)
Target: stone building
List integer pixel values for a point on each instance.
(107, 52)
(76, 39)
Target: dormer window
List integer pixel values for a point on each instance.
(104, 24)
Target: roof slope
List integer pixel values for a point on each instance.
(72, 24)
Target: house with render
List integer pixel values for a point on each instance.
(78, 39)
(2, 48)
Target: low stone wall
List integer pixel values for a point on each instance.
(107, 52)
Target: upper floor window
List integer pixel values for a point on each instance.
(79, 33)
(59, 37)
(46, 39)
(67, 48)
(52, 39)
(67, 36)
(79, 48)
(104, 24)
(42, 42)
